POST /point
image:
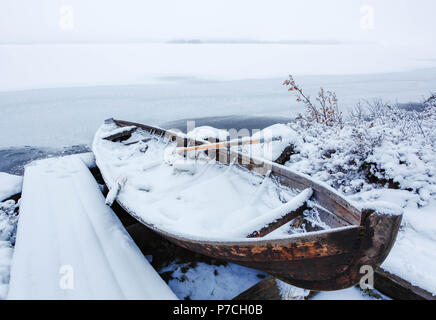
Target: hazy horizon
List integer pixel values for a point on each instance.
(115, 21)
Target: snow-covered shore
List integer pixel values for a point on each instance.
(8, 227)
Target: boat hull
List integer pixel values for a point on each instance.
(322, 261)
(319, 261)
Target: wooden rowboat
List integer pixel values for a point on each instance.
(326, 256)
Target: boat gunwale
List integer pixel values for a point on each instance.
(277, 170)
(242, 241)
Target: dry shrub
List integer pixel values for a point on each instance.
(325, 111)
(378, 144)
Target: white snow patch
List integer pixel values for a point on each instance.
(383, 207)
(185, 166)
(413, 256)
(352, 293)
(204, 132)
(210, 282)
(8, 223)
(9, 185)
(272, 148)
(289, 292)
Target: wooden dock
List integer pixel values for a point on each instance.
(70, 245)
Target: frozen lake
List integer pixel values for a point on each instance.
(13, 159)
(56, 96)
(69, 116)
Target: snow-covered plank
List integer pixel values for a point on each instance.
(70, 245)
(398, 288)
(9, 185)
(273, 219)
(273, 289)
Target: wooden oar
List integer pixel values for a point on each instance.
(226, 144)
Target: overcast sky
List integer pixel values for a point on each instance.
(384, 21)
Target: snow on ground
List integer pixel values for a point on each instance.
(290, 292)
(352, 293)
(413, 256)
(210, 282)
(8, 224)
(9, 185)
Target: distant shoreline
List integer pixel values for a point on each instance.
(194, 41)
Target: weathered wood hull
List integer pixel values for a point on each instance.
(321, 261)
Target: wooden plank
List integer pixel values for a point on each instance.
(134, 142)
(279, 216)
(179, 137)
(264, 290)
(325, 196)
(329, 218)
(15, 197)
(124, 134)
(278, 223)
(103, 256)
(268, 289)
(275, 218)
(285, 155)
(398, 288)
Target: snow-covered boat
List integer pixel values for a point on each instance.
(231, 206)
